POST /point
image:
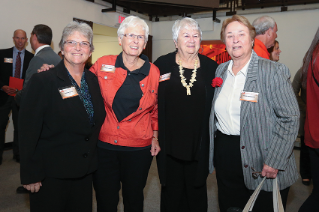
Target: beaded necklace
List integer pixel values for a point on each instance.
(183, 79)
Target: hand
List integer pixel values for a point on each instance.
(269, 172)
(9, 90)
(45, 67)
(155, 149)
(33, 187)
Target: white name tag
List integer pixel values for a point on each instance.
(8, 60)
(108, 68)
(68, 92)
(249, 96)
(165, 77)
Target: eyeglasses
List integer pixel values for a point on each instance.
(255, 174)
(73, 43)
(133, 36)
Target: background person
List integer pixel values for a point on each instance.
(310, 82)
(13, 63)
(185, 96)
(300, 92)
(40, 40)
(252, 132)
(266, 33)
(62, 111)
(274, 52)
(128, 138)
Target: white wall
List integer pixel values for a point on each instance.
(105, 45)
(296, 30)
(57, 14)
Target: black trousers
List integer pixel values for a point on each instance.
(179, 194)
(312, 203)
(232, 191)
(305, 169)
(63, 195)
(127, 167)
(4, 118)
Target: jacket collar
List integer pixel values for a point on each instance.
(145, 69)
(251, 71)
(62, 72)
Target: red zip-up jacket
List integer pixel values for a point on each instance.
(136, 130)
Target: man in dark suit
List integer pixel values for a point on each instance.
(41, 37)
(13, 63)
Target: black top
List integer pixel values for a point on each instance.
(127, 98)
(184, 114)
(167, 64)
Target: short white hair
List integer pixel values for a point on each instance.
(263, 23)
(133, 21)
(185, 23)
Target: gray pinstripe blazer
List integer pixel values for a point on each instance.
(269, 127)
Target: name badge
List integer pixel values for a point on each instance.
(8, 60)
(108, 68)
(165, 77)
(249, 96)
(68, 92)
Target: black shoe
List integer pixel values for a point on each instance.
(17, 158)
(306, 183)
(22, 190)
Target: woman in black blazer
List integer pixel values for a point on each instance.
(61, 113)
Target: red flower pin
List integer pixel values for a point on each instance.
(217, 82)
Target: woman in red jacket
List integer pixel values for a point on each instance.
(310, 81)
(128, 137)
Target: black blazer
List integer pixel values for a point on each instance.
(6, 70)
(56, 139)
(165, 64)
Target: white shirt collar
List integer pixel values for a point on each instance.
(243, 70)
(40, 48)
(15, 50)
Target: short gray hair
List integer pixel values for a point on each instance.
(133, 21)
(75, 26)
(263, 23)
(187, 23)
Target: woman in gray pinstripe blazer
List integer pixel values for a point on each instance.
(254, 122)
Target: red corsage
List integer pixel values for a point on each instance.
(217, 82)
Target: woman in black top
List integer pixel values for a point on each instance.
(185, 95)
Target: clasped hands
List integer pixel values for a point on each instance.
(33, 187)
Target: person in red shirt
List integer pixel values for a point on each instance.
(266, 33)
(310, 82)
(128, 138)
